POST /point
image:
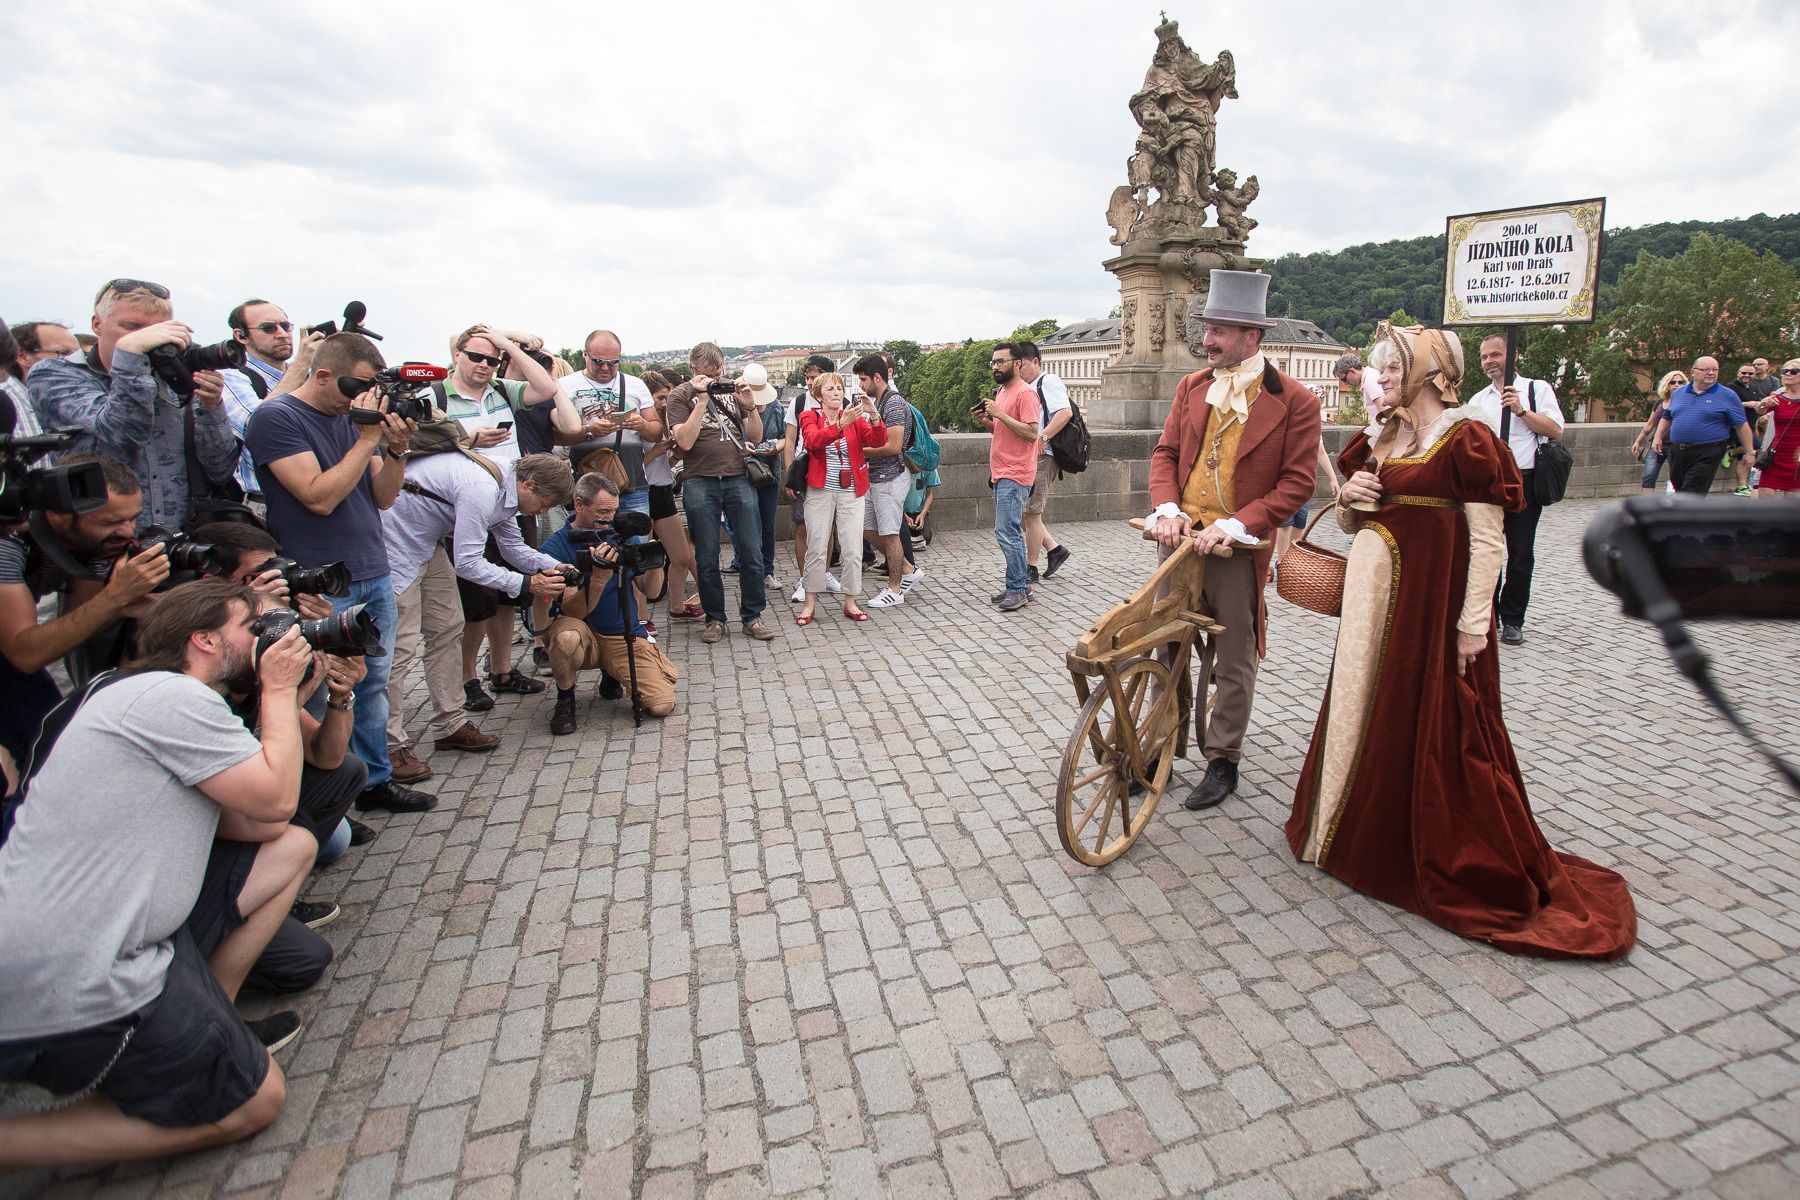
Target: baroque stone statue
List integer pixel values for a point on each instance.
(1176, 111)
(1231, 201)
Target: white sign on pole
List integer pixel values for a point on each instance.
(1524, 266)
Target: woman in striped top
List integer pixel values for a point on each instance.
(836, 479)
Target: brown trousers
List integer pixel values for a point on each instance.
(574, 647)
(1229, 594)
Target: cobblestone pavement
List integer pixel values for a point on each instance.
(815, 934)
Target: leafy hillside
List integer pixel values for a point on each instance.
(1348, 291)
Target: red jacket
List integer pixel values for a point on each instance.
(816, 433)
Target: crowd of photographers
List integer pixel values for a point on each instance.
(218, 566)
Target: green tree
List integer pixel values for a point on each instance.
(575, 358)
(1717, 297)
(1041, 328)
(1351, 410)
(905, 352)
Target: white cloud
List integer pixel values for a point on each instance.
(811, 171)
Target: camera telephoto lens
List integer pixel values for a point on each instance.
(332, 579)
(186, 557)
(219, 356)
(351, 632)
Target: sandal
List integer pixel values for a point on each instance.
(516, 683)
(803, 618)
(688, 612)
(858, 615)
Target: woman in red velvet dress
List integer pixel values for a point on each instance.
(1410, 792)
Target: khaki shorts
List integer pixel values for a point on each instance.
(1048, 473)
(656, 675)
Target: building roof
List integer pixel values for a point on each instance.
(1082, 333)
(1290, 332)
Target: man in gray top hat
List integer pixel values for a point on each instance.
(1237, 458)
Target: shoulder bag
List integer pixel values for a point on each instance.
(756, 470)
(1550, 476)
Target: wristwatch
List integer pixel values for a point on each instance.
(348, 704)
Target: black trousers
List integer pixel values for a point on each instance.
(1692, 466)
(296, 956)
(1521, 553)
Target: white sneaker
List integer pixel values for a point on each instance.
(799, 596)
(886, 598)
(832, 584)
(911, 580)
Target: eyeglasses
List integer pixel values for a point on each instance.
(272, 326)
(1790, 370)
(605, 362)
(492, 360)
(122, 286)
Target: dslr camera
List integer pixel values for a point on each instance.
(25, 489)
(188, 559)
(405, 387)
(351, 632)
(332, 579)
(175, 366)
(633, 558)
(721, 387)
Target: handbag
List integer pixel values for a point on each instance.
(1550, 476)
(1311, 575)
(598, 457)
(758, 472)
(1765, 458)
(796, 474)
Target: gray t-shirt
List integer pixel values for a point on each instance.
(107, 856)
(894, 414)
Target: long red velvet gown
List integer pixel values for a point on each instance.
(1433, 816)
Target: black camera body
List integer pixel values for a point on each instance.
(351, 632)
(25, 489)
(631, 557)
(721, 387)
(332, 579)
(175, 366)
(188, 559)
(405, 387)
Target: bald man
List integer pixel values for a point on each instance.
(1704, 417)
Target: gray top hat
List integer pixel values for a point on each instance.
(1238, 298)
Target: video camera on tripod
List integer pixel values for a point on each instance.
(404, 387)
(25, 489)
(629, 560)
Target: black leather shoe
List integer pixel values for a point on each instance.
(475, 699)
(1054, 561)
(563, 719)
(1512, 635)
(360, 834)
(1220, 782)
(610, 688)
(394, 798)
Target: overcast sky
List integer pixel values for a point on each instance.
(808, 172)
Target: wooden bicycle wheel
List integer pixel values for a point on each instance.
(1133, 711)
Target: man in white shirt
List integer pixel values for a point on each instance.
(1521, 412)
(452, 495)
(1057, 413)
(616, 413)
(1352, 376)
(487, 406)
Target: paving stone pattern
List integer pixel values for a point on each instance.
(814, 934)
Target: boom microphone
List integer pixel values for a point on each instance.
(354, 312)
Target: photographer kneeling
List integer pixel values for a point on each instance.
(86, 558)
(589, 630)
(109, 985)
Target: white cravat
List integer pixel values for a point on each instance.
(1234, 396)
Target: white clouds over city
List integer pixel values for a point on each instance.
(811, 171)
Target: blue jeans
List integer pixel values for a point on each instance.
(1009, 529)
(635, 500)
(368, 736)
(768, 502)
(1653, 465)
(706, 498)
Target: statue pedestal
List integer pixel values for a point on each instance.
(1164, 274)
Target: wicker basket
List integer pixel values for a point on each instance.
(1312, 576)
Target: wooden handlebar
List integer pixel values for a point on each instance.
(1223, 550)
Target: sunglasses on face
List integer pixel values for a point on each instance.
(272, 326)
(492, 360)
(1790, 370)
(122, 286)
(605, 362)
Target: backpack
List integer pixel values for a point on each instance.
(1070, 446)
(444, 435)
(922, 452)
(55, 721)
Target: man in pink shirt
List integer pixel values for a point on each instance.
(1012, 414)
